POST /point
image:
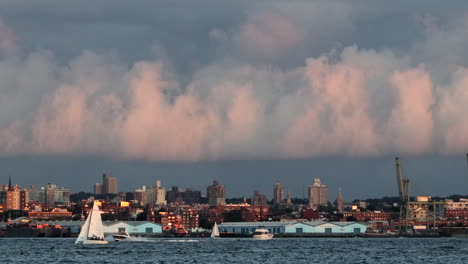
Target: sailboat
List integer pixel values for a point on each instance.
(92, 230)
(215, 231)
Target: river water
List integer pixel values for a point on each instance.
(227, 250)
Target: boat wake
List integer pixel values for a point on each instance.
(183, 240)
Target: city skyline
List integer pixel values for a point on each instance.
(247, 94)
(364, 187)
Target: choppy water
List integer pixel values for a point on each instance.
(224, 250)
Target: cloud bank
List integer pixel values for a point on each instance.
(251, 100)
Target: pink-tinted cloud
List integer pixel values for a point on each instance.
(268, 35)
(411, 122)
(353, 102)
(336, 121)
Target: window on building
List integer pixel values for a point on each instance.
(357, 230)
(121, 229)
(149, 230)
(328, 230)
(299, 230)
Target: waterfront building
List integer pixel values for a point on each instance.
(258, 199)
(55, 214)
(277, 193)
(132, 227)
(295, 228)
(216, 194)
(318, 194)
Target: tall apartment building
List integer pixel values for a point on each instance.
(141, 195)
(16, 199)
(97, 188)
(54, 194)
(277, 193)
(339, 201)
(318, 194)
(109, 184)
(258, 199)
(160, 194)
(216, 194)
(183, 195)
(153, 195)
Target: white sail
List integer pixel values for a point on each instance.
(215, 231)
(95, 225)
(92, 230)
(84, 231)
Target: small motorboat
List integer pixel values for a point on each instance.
(121, 236)
(262, 233)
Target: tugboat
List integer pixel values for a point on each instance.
(261, 233)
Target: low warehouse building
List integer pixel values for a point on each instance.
(294, 228)
(326, 228)
(113, 227)
(132, 227)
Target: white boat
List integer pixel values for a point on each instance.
(122, 236)
(92, 230)
(215, 231)
(262, 233)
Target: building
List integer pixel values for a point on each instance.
(141, 195)
(132, 227)
(318, 194)
(156, 195)
(160, 193)
(460, 205)
(109, 184)
(295, 228)
(183, 195)
(97, 188)
(339, 201)
(54, 215)
(277, 193)
(16, 199)
(325, 228)
(216, 194)
(369, 216)
(51, 194)
(258, 199)
(189, 218)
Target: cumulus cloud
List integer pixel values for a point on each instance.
(348, 101)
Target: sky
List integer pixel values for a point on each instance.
(247, 93)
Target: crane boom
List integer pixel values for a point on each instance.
(399, 179)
